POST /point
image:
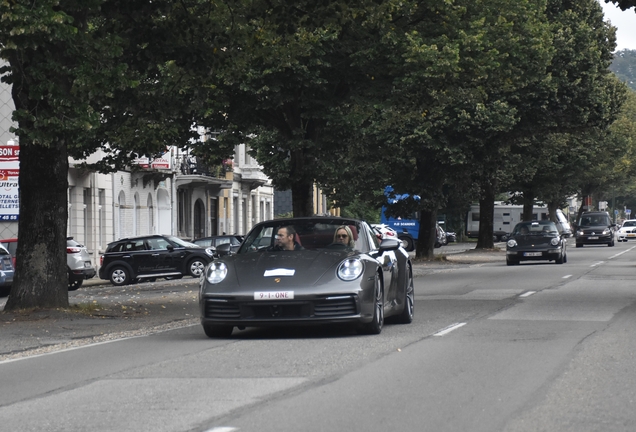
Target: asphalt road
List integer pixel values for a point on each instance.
(534, 347)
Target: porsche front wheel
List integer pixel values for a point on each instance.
(375, 326)
(406, 316)
(217, 331)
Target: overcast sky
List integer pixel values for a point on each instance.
(625, 22)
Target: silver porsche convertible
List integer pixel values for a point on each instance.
(314, 270)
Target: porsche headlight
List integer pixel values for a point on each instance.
(216, 272)
(350, 269)
(512, 243)
(554, 242)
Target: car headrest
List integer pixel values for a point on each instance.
(354, 232)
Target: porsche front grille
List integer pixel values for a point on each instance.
(335, 306)
(329, 307)
(215, 309)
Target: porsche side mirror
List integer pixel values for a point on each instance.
(224, 249)
(390, 244)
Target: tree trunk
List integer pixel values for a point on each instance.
(486, 218)
(302, 198)
(552, 208)
(427, 235)
(528, 205)
(41, 279)
(303, 187)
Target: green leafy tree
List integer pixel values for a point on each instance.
(295, 67)
(554, 159)
(88, 75)
(445, 135)
(611, 177)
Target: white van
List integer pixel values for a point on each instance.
(506, 216)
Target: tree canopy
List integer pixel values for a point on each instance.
(435, 98)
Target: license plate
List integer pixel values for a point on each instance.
(631, 235)
(592, 238)
(87, 263)
(532, 254)
(274, 295)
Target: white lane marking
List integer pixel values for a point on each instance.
(88, 344)
(566, 277)
(222, 429)
(449, 329)
(527, 294)
(621, 253)
(597, 264)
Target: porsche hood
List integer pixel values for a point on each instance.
(297, 268)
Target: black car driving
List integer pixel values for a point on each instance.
(148, 257)
(595, 228)
(536, 240)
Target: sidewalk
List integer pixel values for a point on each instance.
(101, 312)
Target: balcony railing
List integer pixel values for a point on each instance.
(191, 165)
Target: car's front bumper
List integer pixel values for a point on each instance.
(621, 236)
(308, 310)
(594, 239)
(534, 254)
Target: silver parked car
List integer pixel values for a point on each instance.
(6, 269)
(79, 264)
(78, 261)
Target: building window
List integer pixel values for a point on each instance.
(121, 214)
(102, 218)
(151, 215)
(70, 201)
(88, 217)
(136, 215)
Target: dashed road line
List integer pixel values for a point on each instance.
(527, 294)
(566, 277)
(621, 253)
(449, 329)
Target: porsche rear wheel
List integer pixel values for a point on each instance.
(217, 331)
(375, 326)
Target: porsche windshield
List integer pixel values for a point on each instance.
(535, 228)
(303, 234)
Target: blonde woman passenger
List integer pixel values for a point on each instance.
(344, 236)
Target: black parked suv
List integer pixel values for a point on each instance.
(149, 257)
(595, 228)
